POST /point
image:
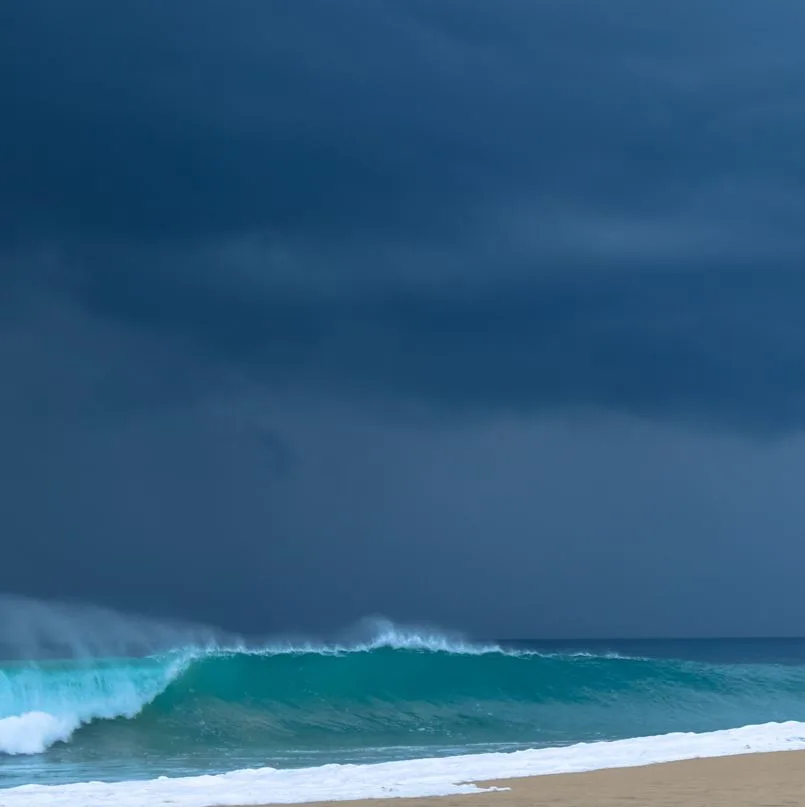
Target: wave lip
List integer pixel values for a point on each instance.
(413, 778)
(42, 704)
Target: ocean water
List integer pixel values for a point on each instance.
(401, 695)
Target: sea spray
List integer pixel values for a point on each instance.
(33, 629)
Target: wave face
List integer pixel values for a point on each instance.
(399, 696)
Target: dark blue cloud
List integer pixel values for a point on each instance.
(143, 120)
(508, 206)
(718, 349)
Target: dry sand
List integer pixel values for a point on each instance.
(752, 780)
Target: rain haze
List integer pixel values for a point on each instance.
(481, 315)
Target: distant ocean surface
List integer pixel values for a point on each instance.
(401, 695)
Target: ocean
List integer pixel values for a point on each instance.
(402, 695)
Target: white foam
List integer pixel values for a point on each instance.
(421, 777)
(373, 634)
(378, 633)
(384, 633)
(34, 732)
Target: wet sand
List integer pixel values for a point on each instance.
(751, 780)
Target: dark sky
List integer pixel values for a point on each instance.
(484, 314)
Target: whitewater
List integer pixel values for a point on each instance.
(421, 777)
(197, 719)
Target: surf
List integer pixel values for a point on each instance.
(396, 693)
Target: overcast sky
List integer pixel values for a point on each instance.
(481, 314)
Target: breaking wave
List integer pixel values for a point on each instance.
(398, 689)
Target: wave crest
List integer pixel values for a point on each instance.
(381, 686)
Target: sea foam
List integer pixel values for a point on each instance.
(421, 777)
(34, 732)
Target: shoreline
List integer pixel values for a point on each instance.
(752, 779)
(683, 769)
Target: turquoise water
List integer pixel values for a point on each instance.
(192, 711)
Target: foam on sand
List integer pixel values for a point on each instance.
(420, 777)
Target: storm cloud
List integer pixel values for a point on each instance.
(311, 310)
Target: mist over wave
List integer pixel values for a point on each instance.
(33, 630)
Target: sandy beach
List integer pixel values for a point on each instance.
(751, 780)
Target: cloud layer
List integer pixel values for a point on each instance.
(228, 228)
